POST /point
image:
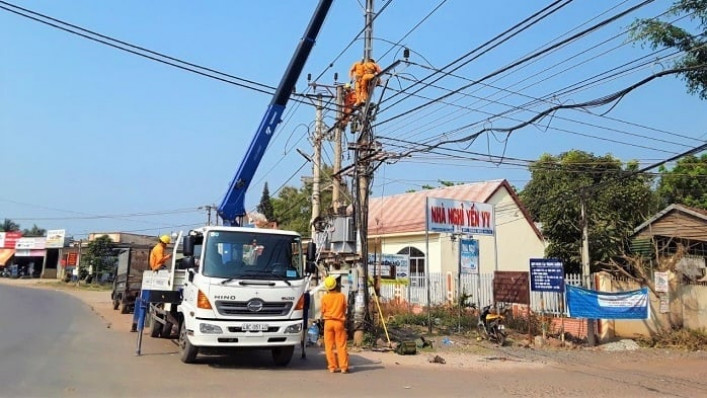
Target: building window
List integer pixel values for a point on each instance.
(417, 266)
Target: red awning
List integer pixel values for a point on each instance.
(5, 255)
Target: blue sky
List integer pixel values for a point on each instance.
(88, 131)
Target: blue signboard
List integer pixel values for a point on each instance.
(590, 304)
(547, 275)
(469, 253)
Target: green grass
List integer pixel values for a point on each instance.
(94, 287)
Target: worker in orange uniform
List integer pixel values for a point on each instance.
(356, 74)
(334, 315)
(157, 256)
(349, 103)
(370, 70)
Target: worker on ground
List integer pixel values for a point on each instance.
(334, 315)
(349, 103)
(356, 74)
(157, 256)
(370, 70)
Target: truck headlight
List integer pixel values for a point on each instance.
(208, 328)
(294, 328)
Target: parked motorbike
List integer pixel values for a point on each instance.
(491, 326)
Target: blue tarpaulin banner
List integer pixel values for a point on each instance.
(590, 304)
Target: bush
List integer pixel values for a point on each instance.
(445, 317)
(684, 339)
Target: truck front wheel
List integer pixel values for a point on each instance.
(156, 327)
(187, 351)
(282, 355)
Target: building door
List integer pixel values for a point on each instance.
(417, 266)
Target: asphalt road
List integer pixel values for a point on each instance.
(53, 344)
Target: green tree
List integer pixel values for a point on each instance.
(616, 201)
(9, 226)
(686, 183)
(658, 33)
(265, 206)
(293, 209)
(34, 231)
(100, 255)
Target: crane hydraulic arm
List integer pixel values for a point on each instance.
(232, 208)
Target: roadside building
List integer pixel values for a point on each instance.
(397, 225)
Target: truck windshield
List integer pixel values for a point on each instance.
(237, 254)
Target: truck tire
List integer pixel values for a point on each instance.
(124, 307)
(155, 328)
(282, 355)
(167, 330)
(187, 351)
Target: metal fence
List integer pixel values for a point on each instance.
(443, 289)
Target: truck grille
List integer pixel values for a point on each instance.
(268, 308)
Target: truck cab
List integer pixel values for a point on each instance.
(242, 287)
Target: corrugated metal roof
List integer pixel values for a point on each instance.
(406, 212)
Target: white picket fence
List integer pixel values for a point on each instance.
(443, 289)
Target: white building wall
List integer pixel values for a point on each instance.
(517, 242)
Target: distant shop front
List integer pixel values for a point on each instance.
(38, 257)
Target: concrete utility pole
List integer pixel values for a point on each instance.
(208, 209)
(336, 180)
(586, 272)
(368, 33)
(363, 180)
(316, 162)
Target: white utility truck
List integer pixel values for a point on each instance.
(240, 288)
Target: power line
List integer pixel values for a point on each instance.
(529, 21)
(141, 51)
(614, 97)
(537, 100)
(523, 60)
(569, 89)
(417, 25)
(514, 107)
(559, 37)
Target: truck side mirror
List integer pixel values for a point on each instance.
(187, 263)
(188, 246)
(190, 274)
(311, 251)
(311, 267)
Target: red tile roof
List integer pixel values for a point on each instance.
(406, 212)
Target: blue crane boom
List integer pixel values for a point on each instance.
(232, 208)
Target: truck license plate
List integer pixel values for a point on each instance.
(254, 327)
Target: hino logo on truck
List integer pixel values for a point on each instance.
(225, 297)
(255, 305)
